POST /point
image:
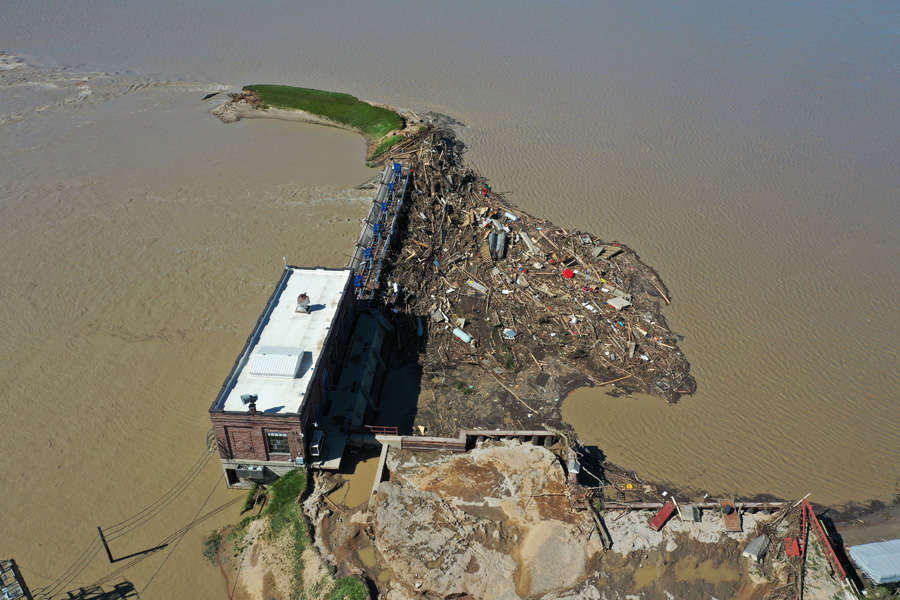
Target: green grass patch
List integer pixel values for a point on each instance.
(385, 145)
(250, 500)
(284, 515)
(348, 588)
(211, 546)
(373, 121)
(282, 509)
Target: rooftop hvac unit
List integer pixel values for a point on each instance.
(270, 361)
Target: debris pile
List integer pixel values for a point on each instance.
(496, 288)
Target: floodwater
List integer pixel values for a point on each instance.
(358, 474)
(687, 569)
(140, 238)
(644, 575)
(748, 151)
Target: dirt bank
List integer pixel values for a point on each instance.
(502, 522)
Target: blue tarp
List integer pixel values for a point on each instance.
(880, 560)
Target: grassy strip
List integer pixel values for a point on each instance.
(250, 500)
(373, 121)
(285, 517)
(211, 546)
(284, 514)
(282, 509)
(385, 145)
(349, 588)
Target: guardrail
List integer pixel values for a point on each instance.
(378, 231)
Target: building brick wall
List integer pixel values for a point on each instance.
(242, 435)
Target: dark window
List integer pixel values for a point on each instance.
(231, 477)
(277, 442)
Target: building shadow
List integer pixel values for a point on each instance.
(120, 591)
(399, 395)
(837, 542)
(592, 473)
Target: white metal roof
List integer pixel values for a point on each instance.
(280, 364)
(880, 560)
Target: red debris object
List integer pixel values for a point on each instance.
(664, 514)
(791, 547)
(568, 273)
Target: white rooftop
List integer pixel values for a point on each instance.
(278, 366)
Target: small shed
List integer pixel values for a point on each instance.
(757, 548)
(880, 561)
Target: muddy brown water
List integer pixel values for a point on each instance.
(357, 486)
(748, 152)
(138, 263)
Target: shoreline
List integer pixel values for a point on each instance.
(247, 104)
(450, 266)
(238, 108)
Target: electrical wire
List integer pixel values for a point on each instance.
(138, 519)
(124, 527)
(172, 551)
(71, 573)
(177, 534)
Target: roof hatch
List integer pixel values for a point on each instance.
(274, 361)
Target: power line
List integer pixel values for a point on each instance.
(32, 573)
(73, 571)
(172, 551)
(123, 523)
(154, 508)
(124, 527)
(167, 540)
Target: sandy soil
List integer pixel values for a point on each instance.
(232, 112)
(260, 570)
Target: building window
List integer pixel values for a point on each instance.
(277, 442)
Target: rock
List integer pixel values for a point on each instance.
(496, 523)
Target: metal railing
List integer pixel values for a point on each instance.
(378, 231)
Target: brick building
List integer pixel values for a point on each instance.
(266, 411)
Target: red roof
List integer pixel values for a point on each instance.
(664, 514)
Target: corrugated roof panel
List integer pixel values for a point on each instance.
(879, 560)
(276, 362)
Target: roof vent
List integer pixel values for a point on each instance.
(302, 303)
(271, 361)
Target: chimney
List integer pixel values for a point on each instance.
(253, 406)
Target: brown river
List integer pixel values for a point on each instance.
(749, 153)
